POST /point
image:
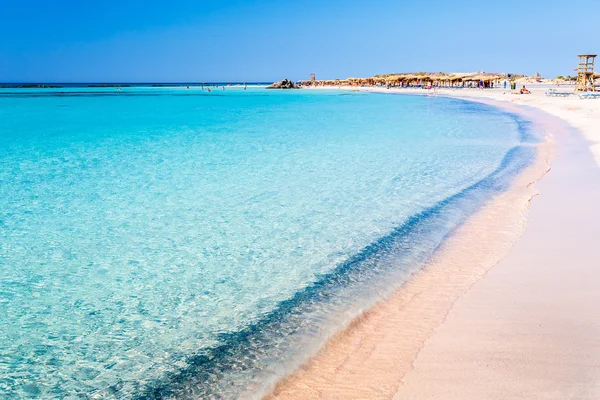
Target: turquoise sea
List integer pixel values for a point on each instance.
(175, 243)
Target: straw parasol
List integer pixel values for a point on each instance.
(459, 76)
(394, 78)
(471, 77)
(438, 76)
(411, 77)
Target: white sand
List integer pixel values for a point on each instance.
(530, 329)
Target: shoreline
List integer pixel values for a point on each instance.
(372, 357)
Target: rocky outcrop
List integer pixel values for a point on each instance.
(284, 84)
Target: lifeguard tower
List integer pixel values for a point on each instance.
(312, 78)
(585, 73)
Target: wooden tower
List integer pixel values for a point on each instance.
(585, 73)
(312, 77)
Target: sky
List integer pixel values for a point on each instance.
(268, 40)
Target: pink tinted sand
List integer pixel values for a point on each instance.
(528, 329)
(531, 328)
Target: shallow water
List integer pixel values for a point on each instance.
(160, 242)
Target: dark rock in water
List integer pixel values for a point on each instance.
(284, 84)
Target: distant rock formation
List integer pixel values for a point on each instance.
(29, 86)
(284, 84)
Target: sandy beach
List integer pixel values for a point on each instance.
(300, 200)
(507, 309)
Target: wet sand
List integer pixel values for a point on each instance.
(525, 329)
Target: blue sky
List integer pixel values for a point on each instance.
(266, 40)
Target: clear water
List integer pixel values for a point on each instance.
(160, 242)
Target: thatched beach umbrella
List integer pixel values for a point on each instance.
(410, 77)
(438, 76)
(401, 78)
(470, 78)
(490, 77)
(457, 77)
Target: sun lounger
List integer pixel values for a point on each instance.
(589, 96)
(556, 93)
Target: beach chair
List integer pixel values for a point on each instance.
(556, 93)
(589, 95)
